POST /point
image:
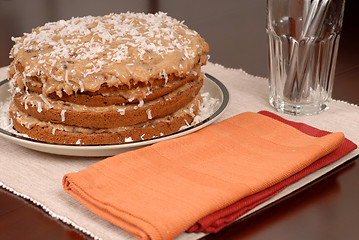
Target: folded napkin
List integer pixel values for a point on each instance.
(160, 191)
(216, 221)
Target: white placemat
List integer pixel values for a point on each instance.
(37, 176)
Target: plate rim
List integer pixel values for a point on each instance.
(224, 104)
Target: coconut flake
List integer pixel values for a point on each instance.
(63, 115)
(122, 111)
(46, 101)
(149, 114)
(39, 108)
(129, 139)
(141, 103)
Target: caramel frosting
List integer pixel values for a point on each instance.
(83, 53)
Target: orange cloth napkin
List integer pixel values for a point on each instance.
(159, 191)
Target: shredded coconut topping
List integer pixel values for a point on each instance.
(84, 52)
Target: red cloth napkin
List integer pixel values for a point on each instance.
(218, 220)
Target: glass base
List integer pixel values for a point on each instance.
(296, 109)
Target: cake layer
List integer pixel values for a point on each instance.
(61, 112)
(58, 133)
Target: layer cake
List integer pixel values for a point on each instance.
(108, 79)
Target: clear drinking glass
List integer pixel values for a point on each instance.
(303, 39)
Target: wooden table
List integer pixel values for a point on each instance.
(328, 209)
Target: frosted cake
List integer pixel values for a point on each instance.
(108, 79)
